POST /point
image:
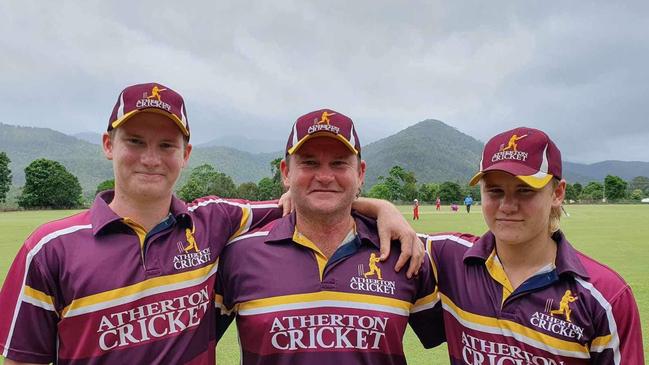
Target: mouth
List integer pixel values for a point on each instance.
(508, 220)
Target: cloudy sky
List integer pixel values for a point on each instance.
(575, 69)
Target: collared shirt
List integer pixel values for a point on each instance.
(580, 312)
(96, 288)
(293, 305)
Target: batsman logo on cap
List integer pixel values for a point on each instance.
(151, 97)
(323, 124)
(155, 93)
(527, 153)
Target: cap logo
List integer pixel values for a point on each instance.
(323, 124)
(510, 152)
(155, 93)
(512, 145)
(153, 100)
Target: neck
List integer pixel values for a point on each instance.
(146, 213)
(326, 232)
(521, 261)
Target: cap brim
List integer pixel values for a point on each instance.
(536, 180)
(322, 134)
(171, 116)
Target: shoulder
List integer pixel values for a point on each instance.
(252, 237)
(57, 229)
(462, 241)
(602, 280)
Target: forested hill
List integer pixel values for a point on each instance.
(433, 150)
(87, 162)
(83, 159)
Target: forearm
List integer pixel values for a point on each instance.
(372, 207)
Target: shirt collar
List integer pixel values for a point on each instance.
(102, 216)
(567, 260)
(284, 228)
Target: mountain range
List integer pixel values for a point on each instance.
(435, 151)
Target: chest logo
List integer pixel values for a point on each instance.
(564, 305)
(374, 269)
(190, 256)
(562, 324)
(372, 280)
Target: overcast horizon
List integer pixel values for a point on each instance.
(575, 70)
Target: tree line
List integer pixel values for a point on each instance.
(48, 184)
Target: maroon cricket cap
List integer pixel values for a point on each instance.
(527, 153)
(327, 123)
(151, 97)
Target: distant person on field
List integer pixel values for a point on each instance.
(309, 288)
(131, 280)
(454, 207)
(415, 210)
(468, 201)
(521, 293)
(438, 204)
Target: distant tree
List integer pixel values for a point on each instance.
(379, 191)
(49, 185)
(578, 189)
(614, 187)
(400, 184)
(269, 189)
(640, 182)
(205, 180)
(428, 192)
(474, 191)
(248, 190)
(105, 185)
(571, 193)
(637, 194)
(593, 191)
(450, 192)
(5, 176)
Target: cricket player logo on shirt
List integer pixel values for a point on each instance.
(191, 241)
(374, 269)
(190, 256)
(564, 305)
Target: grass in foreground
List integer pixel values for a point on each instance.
(617, 235)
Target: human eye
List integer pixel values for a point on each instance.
(309, 163)
(134, 141)
(494, 191)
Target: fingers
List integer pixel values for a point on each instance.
(417, 258)
(286, 204)
(406, 253)
(385, 241)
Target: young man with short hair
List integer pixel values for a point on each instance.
(131, 280)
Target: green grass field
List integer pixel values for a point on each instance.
(617, 235)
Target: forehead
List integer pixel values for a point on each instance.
(150, 124)
(324, 146)
(501, 178)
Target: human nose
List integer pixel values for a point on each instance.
(150, 157)
(508, 203)
(324, 174)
